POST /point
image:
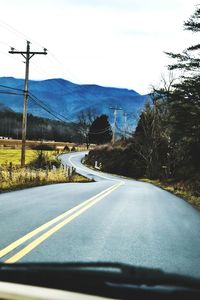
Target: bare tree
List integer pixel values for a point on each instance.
(85, 119)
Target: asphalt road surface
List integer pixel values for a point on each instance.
(110, 220)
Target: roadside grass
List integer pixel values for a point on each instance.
(13, 177)
(180, 189)
(25, 178)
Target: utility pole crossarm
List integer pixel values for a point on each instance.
(31, 52)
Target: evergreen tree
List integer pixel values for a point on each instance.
(189, 59)
(100, 131)
(184, 104)
(150, 139)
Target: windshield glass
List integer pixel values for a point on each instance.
(100, 133)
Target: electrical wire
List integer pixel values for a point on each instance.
(50, 109)
(11, 88)
(52, 113)
(56, 115)
(61, 117)
(11, 93)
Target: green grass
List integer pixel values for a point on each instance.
(14, 156)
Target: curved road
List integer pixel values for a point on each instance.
(112, 219)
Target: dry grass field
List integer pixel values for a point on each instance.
(16, 144)
(13, 177)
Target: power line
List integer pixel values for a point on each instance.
(59, 116)
(50, 109)
(11, 88)
(10, 93)
(104, 130)
(46, 109)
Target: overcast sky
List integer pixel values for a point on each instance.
(116, 43)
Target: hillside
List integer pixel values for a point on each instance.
(4, 108)
(69, 99)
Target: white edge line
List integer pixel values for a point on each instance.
(102, 176)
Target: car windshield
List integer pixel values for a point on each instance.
(100, 134)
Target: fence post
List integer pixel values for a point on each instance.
(10, 170)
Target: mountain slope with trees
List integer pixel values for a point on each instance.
(69, 99)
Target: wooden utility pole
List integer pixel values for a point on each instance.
(125, 124)
(115, 109)
(27, 55)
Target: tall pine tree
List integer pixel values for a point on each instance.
(185, 101)
(100, 131)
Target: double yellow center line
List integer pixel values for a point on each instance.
(58, 223)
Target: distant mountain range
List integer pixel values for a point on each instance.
(67, 98)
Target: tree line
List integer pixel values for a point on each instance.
(37, 128)
(89, 128)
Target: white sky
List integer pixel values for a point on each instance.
(108, 42)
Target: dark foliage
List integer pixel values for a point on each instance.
(117, 160)
(100, 131)
(37, 128)
(44, 147)
(42, 161)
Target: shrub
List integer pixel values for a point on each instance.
(43, 147)
(44, 161)
(73, 149)
(66, 148)
(118, 160)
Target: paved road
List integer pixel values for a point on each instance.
(113, 219)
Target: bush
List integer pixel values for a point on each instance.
(118, 160)
(43, 147)
(66, 148)
(73, 149)
(43, 161)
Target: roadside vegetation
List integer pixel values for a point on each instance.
(185, 189)
(165, 146)
(42, 167)
(122, 159)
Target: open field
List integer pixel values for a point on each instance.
(13, 177)
(14, 156)
(16, 144)
(4, 143)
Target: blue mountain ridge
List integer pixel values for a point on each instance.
(69, 99)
